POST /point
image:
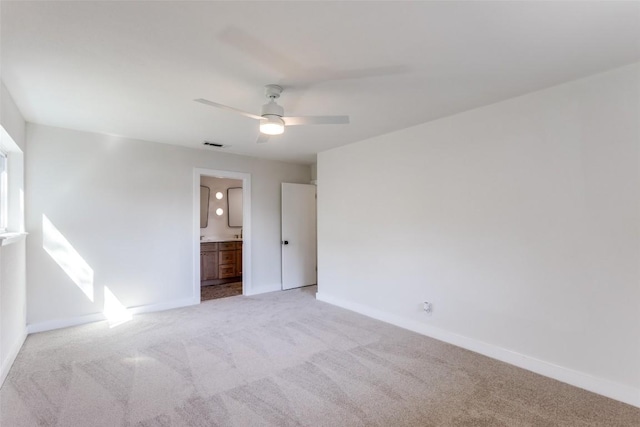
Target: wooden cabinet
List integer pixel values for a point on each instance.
(228, 257)
(239, 260)
(208, 261)
(220, 262)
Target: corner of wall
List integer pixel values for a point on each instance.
(13, 330)
(12, 354)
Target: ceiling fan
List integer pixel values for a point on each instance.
(272, 118)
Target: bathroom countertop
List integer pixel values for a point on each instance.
(218, 240)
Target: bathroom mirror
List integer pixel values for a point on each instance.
(234, 206)
(204, 206)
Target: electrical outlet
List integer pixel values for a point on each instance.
(427, 307)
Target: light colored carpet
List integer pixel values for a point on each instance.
(280, 359)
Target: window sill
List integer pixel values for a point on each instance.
(8, 238)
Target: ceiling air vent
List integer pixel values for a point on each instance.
(215, 144)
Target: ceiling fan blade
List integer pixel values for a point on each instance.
(316, 120)
(262, 138)
(362, 73)
(294, 73)
(260, 51)
(226, 107)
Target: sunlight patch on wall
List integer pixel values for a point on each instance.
(114, 311)
(59, 248)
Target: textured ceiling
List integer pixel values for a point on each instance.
(134, 68)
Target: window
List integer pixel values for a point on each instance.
(4, 193)
(11, 187)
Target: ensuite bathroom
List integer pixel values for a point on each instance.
(220, 237)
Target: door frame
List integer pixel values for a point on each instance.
(246, 226)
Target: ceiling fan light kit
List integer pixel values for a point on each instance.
(273, 125)
(272, 112)
(272, 118)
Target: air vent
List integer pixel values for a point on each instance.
(215, 144)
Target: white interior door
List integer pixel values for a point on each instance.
(298, 235)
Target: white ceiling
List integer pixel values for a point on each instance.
(134, 68)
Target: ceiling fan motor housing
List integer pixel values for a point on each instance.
(272, 109)
(272, 92)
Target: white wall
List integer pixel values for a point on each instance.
(12, 256)
(218, 226)
(125, 207)
(11, 118)
(519, 221)
(314, 171)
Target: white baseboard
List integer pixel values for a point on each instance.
(264, 289)
(50, 325)
(613, 390)
(13, 353)
(164, 306)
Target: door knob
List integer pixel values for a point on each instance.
(285, 242)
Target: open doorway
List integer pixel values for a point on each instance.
(220, 237)
(222, 244)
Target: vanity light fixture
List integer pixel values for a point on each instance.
(219, 211)
(219, 195)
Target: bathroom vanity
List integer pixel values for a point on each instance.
(220, 262)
